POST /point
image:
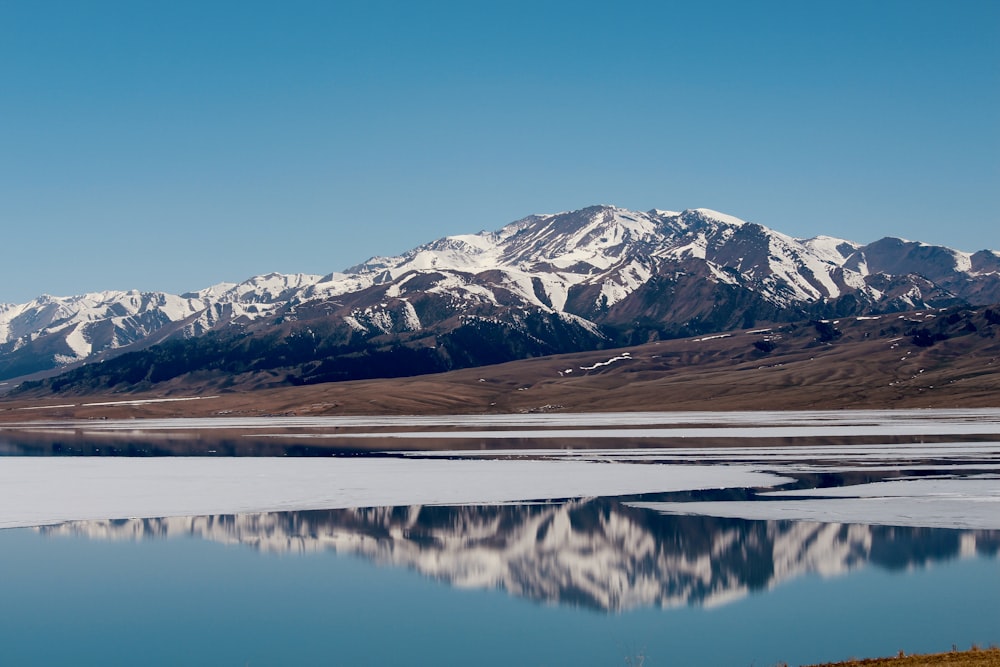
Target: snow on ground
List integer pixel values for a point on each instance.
(48, 407)
(723, 276)
(625, 356)
(352, 322)
(557, 288)
(721, 217)
(77, 341)
(411, 321)
(715, 337)
(151, 400)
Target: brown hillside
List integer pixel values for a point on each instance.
(928, 359)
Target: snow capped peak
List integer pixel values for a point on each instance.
(719, 217)
(280, 280)
(517, 226)
(481, 241)
(211, 291)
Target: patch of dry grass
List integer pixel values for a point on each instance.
(974, 657)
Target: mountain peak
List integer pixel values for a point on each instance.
(719, 217)
(552, 282)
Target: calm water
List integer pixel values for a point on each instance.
(585, 582)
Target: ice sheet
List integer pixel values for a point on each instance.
(829, 457)
(47, 490)
(766, 432)
(824, 418)
(36, 491)
(955, 503)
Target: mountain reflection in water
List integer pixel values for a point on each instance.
(599, 553)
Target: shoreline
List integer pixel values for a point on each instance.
(973, 657)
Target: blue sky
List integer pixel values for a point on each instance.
(170, 145)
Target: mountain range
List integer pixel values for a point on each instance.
(600, 277)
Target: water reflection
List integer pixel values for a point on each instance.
(598, 553)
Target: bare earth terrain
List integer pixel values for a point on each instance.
(880, 363)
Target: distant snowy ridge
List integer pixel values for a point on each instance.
(597, 270)
(97, 321)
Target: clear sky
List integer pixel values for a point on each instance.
(169, 145)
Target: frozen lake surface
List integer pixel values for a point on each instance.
(956, 485)
(963, 462)
(832, 418)
(875, 531)
(41, 490)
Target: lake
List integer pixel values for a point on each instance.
(883, 534)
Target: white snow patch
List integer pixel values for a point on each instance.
(611, 293)
(625, 280)
(625, 356)
(380, 319)
(721, 217)
(452, 283)
(146, 401)
(353, 322)
(410, 319)
(556, 289)
(48, 407)
(723, 276)
(579, 321)
(855, 280)
(963, 261)
(696, 248)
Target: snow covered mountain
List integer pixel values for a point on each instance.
(600, 554)
(50, 331)
(600, 276)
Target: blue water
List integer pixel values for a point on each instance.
(182, 600)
